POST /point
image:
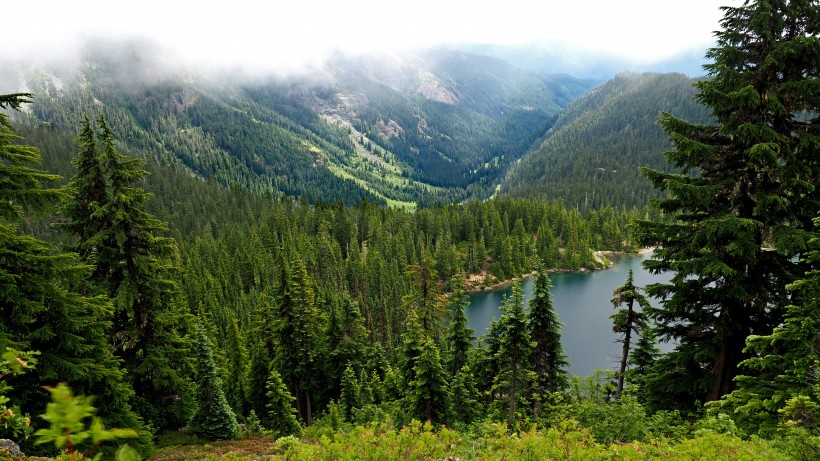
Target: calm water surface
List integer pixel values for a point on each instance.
(582, 301)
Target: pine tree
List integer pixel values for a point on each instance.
(515, 377)
(280, 410)
(744, 197)
(90, 186)
(548, 358)
(235, 387)
(349, 398)
(641, 360)
(136, 268)
(626, 321)
(785, 363)
(465, 396)
(297, 329)
(643, 356)
(428, 394)
(213, 418)
(425, 298)
(41, 306)
(460, 336)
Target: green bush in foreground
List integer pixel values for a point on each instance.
(486, 441)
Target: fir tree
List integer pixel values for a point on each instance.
(548, 358)
(626, 321)
(41, 306)
(460, 336)
(744, 197)
(349, 398)
(785, 364)
(297, 328)
(515, 377)
(465, 396)
(641, 361)
(136, 268)
(280, 411)
(213, 418)
(428, 394)
(644, 355)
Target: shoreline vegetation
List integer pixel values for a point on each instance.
(476, 283)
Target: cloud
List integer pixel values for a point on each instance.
(292, 33)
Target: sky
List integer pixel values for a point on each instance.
(288, 33)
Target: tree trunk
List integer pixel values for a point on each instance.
(624, 356)
(308, 409)
(513, 396)
(725, 368)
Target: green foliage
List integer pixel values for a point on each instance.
(599, 141)
(13, 363)
(512, 384)
(548, 358)
(69, 429)
(742, 200)
(629, 320)
(42, 306)
(428, 393)
(213, 419)
(780, 380)
(280, 411)
(134, 266)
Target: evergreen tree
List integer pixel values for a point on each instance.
(626, 321)
(90, 185)
(785, 363)
(349, 398)
(425, 298)
(136, 268)
(41, 307)
(548, 358)
(213, 418)
(235, 386)
(280, 410)
(643, 356)
(744, 197)
(428, 394)
(460, 336)
(641, 360)
(515, 377)
(297, 328)
(465, 396)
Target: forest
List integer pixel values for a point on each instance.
(150, 313)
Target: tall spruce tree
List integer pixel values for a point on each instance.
(428, 394)
(513, 383)
(213, 419)
(281, 413)
(135, 266)
(298, 328)
(628, 320)
(459, 336)
(643, 357)
(41, 305)
(743, 200)
(785, 364)
(548, 358)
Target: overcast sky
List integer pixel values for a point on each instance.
(286, 32)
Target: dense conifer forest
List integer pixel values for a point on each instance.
(151, 310)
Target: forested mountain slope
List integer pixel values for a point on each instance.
(432, 128)
(590, 157)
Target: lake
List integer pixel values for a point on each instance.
(582, 301)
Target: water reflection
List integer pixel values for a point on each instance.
(582, 301)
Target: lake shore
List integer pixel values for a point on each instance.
(475, 282)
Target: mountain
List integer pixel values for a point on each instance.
(590, 157)
(545, 57)
(436, 127)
